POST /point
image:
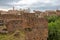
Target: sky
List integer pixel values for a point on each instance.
(32, 4)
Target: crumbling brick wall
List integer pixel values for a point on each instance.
(38, 31)
(35, 28)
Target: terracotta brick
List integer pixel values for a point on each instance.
(35, 28)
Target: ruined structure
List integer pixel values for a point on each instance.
(58, 12)
(34, 25)
(35, 28)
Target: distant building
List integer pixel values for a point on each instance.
(58, 12)
(3, 12)
(50, 12)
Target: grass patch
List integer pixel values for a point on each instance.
(12, 37)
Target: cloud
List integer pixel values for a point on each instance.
(37, 4)
(30, 2)
(33, 4)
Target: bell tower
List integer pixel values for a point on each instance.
(13, 8)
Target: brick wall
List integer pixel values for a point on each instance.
(35, 28)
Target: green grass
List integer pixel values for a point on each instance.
(12, 37)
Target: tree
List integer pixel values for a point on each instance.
(54, 28)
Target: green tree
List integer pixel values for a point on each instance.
(53, 27)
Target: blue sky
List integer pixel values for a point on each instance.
(33, 4)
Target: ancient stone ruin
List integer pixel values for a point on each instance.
(35, 28)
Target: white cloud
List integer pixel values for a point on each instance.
(29, 3)
(35, 3)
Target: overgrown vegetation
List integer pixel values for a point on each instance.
(53, 27)
(17, 35)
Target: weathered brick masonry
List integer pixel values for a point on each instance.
(35, 28)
